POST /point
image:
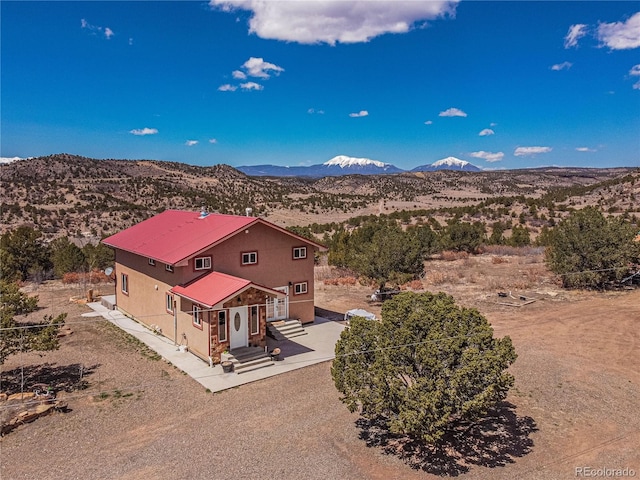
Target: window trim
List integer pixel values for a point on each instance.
(224, 330)
(168, 268)
(168, 301)
(299, 249)
(197, 315)
(301, 284)
(151, 262)
(254, 252)
(205, 259)
(124, 283)
(253, 308)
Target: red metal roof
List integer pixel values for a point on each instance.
(215, 288)
(175, 235)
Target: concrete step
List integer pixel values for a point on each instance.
(286, 330)
(255, 364)
(247, 359)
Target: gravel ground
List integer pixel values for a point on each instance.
(575, 403)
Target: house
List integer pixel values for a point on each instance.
(212, 281)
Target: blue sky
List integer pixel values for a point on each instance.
(247, 82)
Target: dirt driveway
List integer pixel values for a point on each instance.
(575, 402)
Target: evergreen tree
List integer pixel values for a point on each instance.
(589, 250)
(428, 367)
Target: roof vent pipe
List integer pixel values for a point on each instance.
(248, 211)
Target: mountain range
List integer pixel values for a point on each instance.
(344, 165)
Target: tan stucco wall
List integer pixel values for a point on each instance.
(275, 267)
(145, 302)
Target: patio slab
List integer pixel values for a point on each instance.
(315, 347)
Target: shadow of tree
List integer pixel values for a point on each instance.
(60, 377)
(494, 441)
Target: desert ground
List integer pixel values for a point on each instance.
(574, 404)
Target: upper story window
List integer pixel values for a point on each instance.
(124, 283)
(168, 268)
(249, 258)
(202, 263)
(300, 288)
(299, 253)
(152, 262)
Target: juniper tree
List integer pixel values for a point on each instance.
(427, 368)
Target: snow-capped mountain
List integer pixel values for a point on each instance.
(449, 163)
(337, 166)
(343, 161)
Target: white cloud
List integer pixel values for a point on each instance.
(108, 33)
(213, 141)
(488, 156)
(452, 112)
(227, 88)
(361, 113)
(486, 131)
(312, 111)
(584, 149)
(251, 86)
(429, 122)
(257, 67)
(493, 124)
(130, 41)
(335, 21)
(575, 33)
(191, 143)
(239, 75)
(562, 66)
(635, 72)
(621, 35)
(524, 151)
(144, 131)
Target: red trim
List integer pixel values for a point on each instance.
(248, 253)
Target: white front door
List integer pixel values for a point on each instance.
(278, 309)
(238, 327)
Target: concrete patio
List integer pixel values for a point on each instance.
(315, 347)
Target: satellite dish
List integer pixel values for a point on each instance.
(108, 271)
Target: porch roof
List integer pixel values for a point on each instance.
(215, 288)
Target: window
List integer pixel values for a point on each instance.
(169, 302)
(197, 316)
(202, 263)
(124, 283)
(152, 262)
(300, 288)
(299, 252)
(168, 268)
(255, 324)
(222, 325)
(249, 258)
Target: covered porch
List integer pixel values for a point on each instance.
(226, 313)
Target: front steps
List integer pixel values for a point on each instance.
(285, 329)
(247, 359)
